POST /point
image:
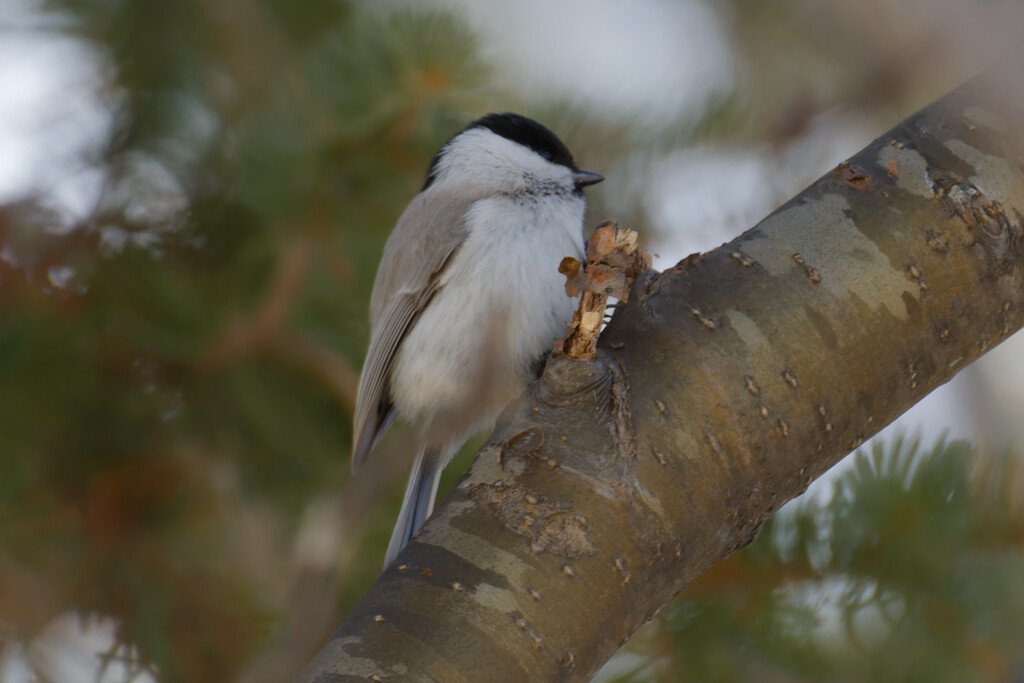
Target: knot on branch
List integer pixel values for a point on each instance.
(986, 219)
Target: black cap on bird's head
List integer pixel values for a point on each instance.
(527, 132)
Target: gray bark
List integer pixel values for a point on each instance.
(725, 386)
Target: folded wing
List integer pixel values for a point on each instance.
(420, 248)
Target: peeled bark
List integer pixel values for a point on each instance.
(725, 386)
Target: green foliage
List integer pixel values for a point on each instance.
(177, 369)
(910, 571)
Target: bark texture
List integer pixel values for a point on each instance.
(725, 386)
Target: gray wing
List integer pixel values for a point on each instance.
(420, 247)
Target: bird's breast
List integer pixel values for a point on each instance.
(501, 306)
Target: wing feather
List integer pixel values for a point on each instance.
(419, 249)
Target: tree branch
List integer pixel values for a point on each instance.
(725, 386)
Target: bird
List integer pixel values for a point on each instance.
(468, 300)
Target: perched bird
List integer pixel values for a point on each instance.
(468, 298)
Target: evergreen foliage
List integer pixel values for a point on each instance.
(177, 371)
(910, 570)
(177, 368)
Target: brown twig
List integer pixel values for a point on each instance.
(613, 260)
(250, 332)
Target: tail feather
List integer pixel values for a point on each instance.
(419, 500)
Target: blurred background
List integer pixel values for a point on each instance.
(193, 199)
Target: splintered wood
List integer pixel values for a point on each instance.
(613, 260)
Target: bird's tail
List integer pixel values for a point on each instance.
(419, 500)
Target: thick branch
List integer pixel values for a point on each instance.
(720, 391)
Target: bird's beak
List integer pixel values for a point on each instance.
(583, 178)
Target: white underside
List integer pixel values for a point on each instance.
(502, 305)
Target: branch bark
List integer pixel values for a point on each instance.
(725, 386)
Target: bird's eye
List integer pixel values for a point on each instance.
(547, 154)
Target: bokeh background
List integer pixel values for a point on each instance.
(193, 198)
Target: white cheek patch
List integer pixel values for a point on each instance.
(479, 160)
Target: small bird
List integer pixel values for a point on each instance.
(468, 298)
